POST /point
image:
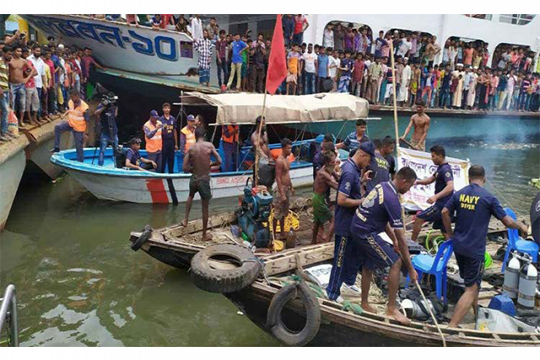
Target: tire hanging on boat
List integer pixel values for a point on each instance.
(144, 237)
(208, 275)
(274, 320)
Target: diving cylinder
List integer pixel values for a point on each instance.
(511, 278)
(527, 285)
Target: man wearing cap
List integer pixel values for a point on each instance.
(187, 135)
(345, 266)
(77, 120)
(354, 139)
(134, 160)
(152, 137)
(170, 138)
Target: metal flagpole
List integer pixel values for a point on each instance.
(257, 156)
(394, 95)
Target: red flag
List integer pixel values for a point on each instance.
(277, 66)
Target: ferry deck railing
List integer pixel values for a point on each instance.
(8, 315)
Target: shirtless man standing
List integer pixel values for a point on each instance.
(19, 73)
(285, 190)
(198, 162)
(326, 178)
(421, 122)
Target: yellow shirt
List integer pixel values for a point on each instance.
(47, 76)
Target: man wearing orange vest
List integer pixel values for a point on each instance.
(77, 118)
(230, 146)
(152, 137)
(187, 136)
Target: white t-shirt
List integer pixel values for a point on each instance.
(309, 62)
(333, 70)
(196, 29)
(404, 47)
(62, 72)
(39, 65)
(328, 38)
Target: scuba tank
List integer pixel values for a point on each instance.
(527, 285)
(511, 278)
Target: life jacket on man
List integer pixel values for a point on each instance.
(232, 139)
(155, 143)
(76, 116)
(190, 138)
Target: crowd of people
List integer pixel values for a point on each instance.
(36, 80)
(351, 59)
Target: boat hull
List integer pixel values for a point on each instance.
(11, 172)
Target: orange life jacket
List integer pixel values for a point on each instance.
(154, 144)
(76, 116)
(233, 138)
(190, 138)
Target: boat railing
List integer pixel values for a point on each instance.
(8, 315)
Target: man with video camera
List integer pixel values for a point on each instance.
(107, 111)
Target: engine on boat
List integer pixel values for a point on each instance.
(253, 212)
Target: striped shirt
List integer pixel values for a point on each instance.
(4, 75)
(204, 47)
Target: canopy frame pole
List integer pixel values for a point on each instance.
(394, 96)
(257, 150)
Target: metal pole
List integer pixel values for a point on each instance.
(394, 95)
(10, 302)
(257, 156)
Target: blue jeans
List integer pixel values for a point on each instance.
(18, 92)
(444, 98)
(310, 83)
(78, 136)
(4, 107)
(222, 68)
(298, 38)
(104, 140)
(230, 154)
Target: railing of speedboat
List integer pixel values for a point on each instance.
(8, 314)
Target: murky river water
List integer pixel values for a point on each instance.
(79, 283)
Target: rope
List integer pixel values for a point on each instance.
(431, 313)
(498, 193)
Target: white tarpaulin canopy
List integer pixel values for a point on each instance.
(244, 108)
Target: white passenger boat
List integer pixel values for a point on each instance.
(119, 184)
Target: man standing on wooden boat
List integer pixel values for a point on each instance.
(77, 118)
(421, 122)
(170, 138)
(187, 135)
(444, 189)
(326, 179)
(198, 161)
(345, 267)
(473, 207)
(285, 190)
(380, 211)
(152, 136)
(230, 146)
(354, 139)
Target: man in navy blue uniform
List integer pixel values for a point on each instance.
(380, 211)
(170, 138)
(380, 169)
(444, 188)
(473, 207)
(348, 199)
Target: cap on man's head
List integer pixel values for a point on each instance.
(190, 118)
(368, 147)
(154, 114)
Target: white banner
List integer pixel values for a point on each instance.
(420, 162)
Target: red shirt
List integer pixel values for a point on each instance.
(165, 20)
(50, 64)
(299, 21)
(358, 72)
(30, 84)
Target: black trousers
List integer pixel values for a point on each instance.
(167, 157)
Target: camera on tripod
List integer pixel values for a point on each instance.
(109, 99)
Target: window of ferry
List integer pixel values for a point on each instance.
(343, 35)
(480, 16)
(517, 19)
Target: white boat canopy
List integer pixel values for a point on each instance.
(244, 108)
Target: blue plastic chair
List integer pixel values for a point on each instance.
(427, 264)
(517, 243)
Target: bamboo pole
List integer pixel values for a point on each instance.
(394, 95)
(257, 150)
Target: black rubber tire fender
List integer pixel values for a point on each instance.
(145, 236)
(275, 322)
(208, 278)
